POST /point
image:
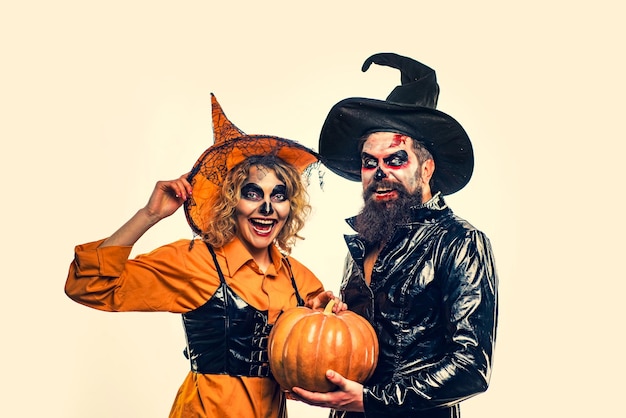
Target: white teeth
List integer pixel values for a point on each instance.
(262, 226)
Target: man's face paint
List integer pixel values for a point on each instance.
(388, 160)
(398, 139)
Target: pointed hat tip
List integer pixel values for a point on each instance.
(223, 129)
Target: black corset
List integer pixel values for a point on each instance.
(228, 336)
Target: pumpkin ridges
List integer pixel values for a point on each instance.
(278, 338)
(308, 328)
(289, 356)
(313, 341)
(329, 351)
(366, 355)
(343, 344)
(373, 352)
(335, 332)
(311, 375)
(375, 347)
(356, 357)
(361, 331)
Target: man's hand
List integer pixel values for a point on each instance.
(347, 397)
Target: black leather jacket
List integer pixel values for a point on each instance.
(433, 304)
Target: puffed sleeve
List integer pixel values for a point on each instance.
(171, 278)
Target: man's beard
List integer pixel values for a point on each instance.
(378, 218)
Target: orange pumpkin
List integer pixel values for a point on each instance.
(304, 343)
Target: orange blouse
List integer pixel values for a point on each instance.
(173, 278)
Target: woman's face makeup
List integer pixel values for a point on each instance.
(262, 209)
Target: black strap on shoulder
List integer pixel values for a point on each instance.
(293, 282)
(217, 265)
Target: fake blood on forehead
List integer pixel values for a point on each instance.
(397, 140)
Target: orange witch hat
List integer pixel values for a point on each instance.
(232, 146)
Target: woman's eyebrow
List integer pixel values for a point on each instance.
(252, 187)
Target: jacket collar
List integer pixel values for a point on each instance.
(429, 210)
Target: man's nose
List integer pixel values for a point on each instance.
(379, 174)
(266, 208)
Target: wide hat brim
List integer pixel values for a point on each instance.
(351, 119)
(208, 173)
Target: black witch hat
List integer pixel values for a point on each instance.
(410, 109)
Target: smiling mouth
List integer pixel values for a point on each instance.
(385, 194)
(262, 226)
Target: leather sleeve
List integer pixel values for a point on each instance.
(463, 370)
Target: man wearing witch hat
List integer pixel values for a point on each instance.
(422, 276)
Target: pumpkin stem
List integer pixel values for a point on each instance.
(329, 307)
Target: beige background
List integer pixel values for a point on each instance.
(99, 100)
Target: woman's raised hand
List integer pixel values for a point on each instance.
(168, 196)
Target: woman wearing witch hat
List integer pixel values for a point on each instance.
(246, 200)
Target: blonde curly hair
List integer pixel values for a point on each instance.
(222, 226)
